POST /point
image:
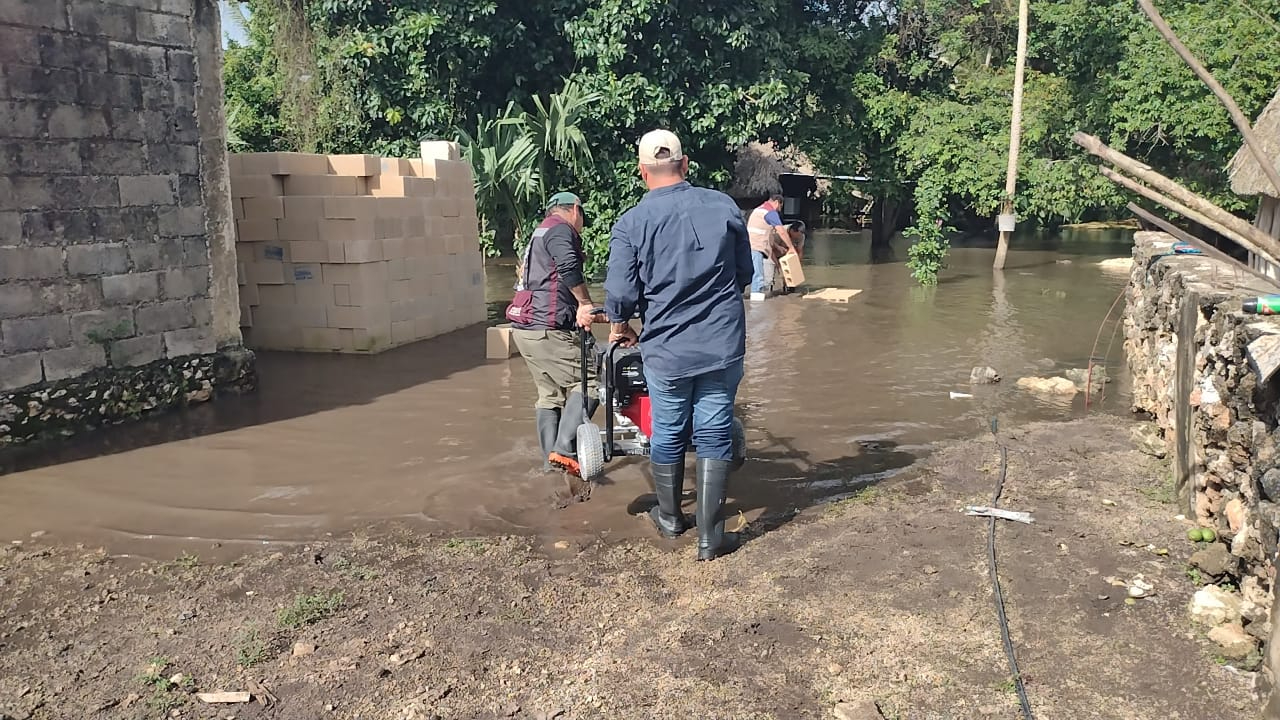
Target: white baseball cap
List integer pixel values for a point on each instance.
(659, 147)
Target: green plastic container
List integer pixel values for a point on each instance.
(1262, 305)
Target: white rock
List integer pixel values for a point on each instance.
(1050, 386)
(1211, 605)
(1236, 644)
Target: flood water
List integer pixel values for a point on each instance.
(436, 438)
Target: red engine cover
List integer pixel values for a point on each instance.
(637, 411)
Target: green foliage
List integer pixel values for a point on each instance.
(915, 93)
(309, 609)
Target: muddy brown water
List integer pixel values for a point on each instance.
(433, 436)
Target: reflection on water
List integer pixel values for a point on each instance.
(432, 435)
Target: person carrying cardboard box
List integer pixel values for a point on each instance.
(794, 233)
(768, 234)
(551, 299)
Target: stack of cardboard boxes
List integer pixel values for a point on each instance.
(355, 253)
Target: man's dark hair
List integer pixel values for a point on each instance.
(775, 198)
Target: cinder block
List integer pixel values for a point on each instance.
(355, 165)
(192, 341)
(19, 371)
(181, 221)
(321, 338)
(178, 159)
(130, 59)
(95, 260)
(250, 231)
(245, 185)
(88, 18)
(72, 362)
(186, 283)
(499, 344)
(79, 122)
(323, 185)
(162, 29)
(30, 263)
(20, 299)
(163, 317)
(261, 208)
(135, 287)
(137, 351)
(38, 333)
(182, 64)
(303, 208)
(149, 190)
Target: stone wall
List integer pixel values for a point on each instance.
(1189, 348)
(117, 265)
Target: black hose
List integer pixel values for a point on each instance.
(995, 582)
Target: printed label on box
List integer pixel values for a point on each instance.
(303, 273)
(273, 252)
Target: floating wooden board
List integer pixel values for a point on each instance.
(839, 295)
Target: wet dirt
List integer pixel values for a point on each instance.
(881, 597)
(436, 438)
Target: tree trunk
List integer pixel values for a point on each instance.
(1015, 129)
(884, 223)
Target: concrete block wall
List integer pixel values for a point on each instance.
(108, 188)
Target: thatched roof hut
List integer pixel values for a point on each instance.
(1246, 175)
(755, 174)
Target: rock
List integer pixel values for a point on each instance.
(857, 711)
(983, 376)
(302, 649)
(1049, 386)
(1215, 561)
(1213, 606)
(1084, 379)
(1236, 644)
(835, 668)
(38, 534)
(1235, 514)
(1149, 440)
(1270, 484)
(1117, 265)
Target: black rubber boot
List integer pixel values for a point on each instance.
(713, 484)
(548, 426)
(668, 484)
(565, 452)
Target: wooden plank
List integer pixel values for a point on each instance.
(839, 295)
(1264, 355)
(224, 697)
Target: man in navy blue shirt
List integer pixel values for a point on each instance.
(682, 259)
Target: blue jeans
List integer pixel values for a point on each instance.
(757, 271)
(707, 400)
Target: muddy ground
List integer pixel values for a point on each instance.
(883, 597)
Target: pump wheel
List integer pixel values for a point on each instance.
(590, 452)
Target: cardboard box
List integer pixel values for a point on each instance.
(449, 207)
(355, 165)
(249, 295)
(346, 230)
(396, 166)
(363, 251)
(359, 295)
(365, 340)
(243, 186)
(394, 248)
(322, 338)
(235, 164)
(372, 273)
(399, 186)
(356, 317)
(263, 252)
(403, 290)
(283, 163)
(264, 273)
(403, 332)
(440, 150)
(301, 207)
(306, 273)
(256, 230)
(237, 208)
(350, 207)
(260, 337)
(292, 317)
(277, 295)
(297, 229)
(259, 208)
(498, 343)
(389, 227)
(323, 185)
(314, 251)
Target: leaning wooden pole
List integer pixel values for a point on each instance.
(1015, 129)
(1181, 209)
(1269, 246)
(1251, 140)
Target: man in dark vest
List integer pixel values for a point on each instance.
(547, 338)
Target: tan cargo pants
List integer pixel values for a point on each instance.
(555, 361)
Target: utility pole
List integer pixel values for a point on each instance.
(1015, 137)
